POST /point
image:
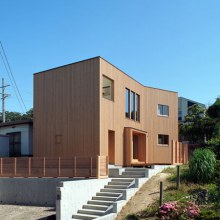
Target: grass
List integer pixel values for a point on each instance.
(210, 209)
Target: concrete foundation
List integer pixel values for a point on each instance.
(29, 191)
(72, 195)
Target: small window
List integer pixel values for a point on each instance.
(163, 110)
(163, 139)
(107, 88)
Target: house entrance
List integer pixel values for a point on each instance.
(135, 148)
(111, 146)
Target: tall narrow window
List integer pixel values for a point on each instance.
(107, 88)
(137, 107)
(127, 104)
(163, 110)
(132, 105)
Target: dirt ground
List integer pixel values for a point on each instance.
(148, 193)
(16, 212)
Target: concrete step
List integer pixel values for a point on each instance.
(134, 172)
(119, 183)
(136, 169)
(84, 216)
(100, 202)
(115, 187)
(132, 175)
(122, 180)
(96, 207)
(91, 212)
(113, 190)
(105, 198)
(111, 194)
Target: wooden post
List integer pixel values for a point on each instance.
(29, 166)
(58, 166)
(15, 166)
(1, 166)
(90, 167)
(44, 171)
(173, 151)
(98, 167)
(178, 177)
(177, 152)
(106, 166)
(161, 193)
(74, 166)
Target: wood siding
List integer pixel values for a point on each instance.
(66, 110)
(113, 117)
(71, 118)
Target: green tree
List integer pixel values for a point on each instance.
(17, 116)
(193, 127)
(214, 113)
(202, 125)
(214, 110)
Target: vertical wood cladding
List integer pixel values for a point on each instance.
(113, 116)
(66, 110)
(71, 117)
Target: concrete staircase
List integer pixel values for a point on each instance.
(108, 202)
(103, 202)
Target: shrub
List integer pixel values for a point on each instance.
(202, 166)
(214, 145)
(131, 217)
(177, 210)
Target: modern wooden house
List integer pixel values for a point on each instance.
(92, 108)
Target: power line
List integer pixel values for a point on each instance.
(11, 82)
(4, 96)
(13, 79)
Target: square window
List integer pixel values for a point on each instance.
(163, 139)
(163, 110)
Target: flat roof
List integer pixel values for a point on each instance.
(110, 64)
(12, 123)
(191, 100)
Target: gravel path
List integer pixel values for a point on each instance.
(17, 212)
(148, 193)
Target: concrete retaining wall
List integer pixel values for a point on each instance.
(71, 196)
(29, 191)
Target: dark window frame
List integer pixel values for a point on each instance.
(164, 138)
(132, 104)
(14, 145)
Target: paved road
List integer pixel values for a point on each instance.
(12, 212)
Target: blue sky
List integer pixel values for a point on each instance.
(173, 45)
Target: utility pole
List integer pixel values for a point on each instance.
(4, 96)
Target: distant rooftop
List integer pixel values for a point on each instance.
(14, 123)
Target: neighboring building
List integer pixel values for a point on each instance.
(183, 106)
(91, 108)
(20, 137)
(4, 145)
